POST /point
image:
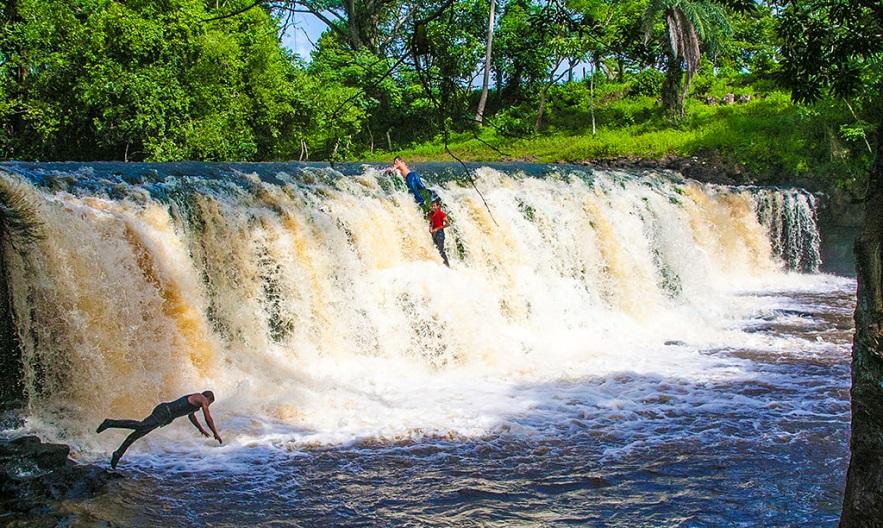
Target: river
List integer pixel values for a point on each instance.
(607, 349)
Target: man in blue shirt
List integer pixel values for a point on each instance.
(422, 195)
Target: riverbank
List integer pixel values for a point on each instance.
(766, 141)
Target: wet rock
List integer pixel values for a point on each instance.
(45, 456)
(711, 100)
(744, 98)
(728, 99)
(33, 473)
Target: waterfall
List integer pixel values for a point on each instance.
(285, 287)
(789, 216)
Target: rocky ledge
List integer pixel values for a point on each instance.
(34, 473)
(838, 208)
(709, 167)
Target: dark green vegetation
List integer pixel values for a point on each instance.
(769, 138)
(569, 80)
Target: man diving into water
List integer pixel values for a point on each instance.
(429, 202)
(422, 195)
(162, 415)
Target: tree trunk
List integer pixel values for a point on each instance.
(511, 94)
(479, 114)
(355, 36)
(592, 95)
(672, 92)
(863, 501)
(541, 109)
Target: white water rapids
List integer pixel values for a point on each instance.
(319, 312)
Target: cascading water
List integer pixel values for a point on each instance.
(316, 307)
(789, 215)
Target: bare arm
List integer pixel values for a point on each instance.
(208, 419)
(196, 424)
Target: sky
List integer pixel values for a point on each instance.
(300, 35)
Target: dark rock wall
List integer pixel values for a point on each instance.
(841, 216)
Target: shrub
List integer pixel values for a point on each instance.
(647, 82)
(514, 121)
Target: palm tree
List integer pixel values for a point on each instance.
(691, 26)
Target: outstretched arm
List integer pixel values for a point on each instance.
(211, 423)
(196, 424)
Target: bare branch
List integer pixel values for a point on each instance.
(236, 12)
(322, 18)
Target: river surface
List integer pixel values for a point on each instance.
(760, 441)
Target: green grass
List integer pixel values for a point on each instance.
(773, 139)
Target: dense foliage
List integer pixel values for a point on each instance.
(209, 79)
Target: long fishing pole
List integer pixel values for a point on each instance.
(427, 87)
(470, 177)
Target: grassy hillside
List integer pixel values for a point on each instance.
(768, 138)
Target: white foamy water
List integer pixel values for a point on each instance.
(320, 313)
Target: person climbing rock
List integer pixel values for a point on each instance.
(422, 195)
(438, 221)
(162, 415)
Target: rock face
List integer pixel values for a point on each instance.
(33, 472)
(863, 501)
(708, 167)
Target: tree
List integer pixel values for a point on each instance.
(519, 51)
(88, 79)
(690, 25)
(482, 101)
(836, 47)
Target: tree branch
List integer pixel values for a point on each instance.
(236, 12)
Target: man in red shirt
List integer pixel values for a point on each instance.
(438, 221)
